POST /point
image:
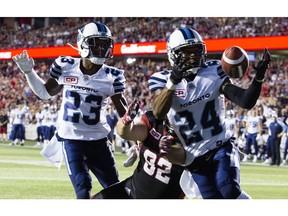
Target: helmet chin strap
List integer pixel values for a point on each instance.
(97, 61)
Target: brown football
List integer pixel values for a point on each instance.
(235, 61)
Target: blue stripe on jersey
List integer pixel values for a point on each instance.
(221, 73)
(118, 86)
(156, 83)
(101, 27)
(157, 79)
(55, 70)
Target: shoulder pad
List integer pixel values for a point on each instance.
(213, 62)
(114, 71)
(62, 63)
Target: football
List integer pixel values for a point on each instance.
(235, 61)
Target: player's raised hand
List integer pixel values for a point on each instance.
(131, 112)
(24, 63)
(262, 65)
(178, 70)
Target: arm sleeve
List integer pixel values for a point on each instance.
(245, 98)
(37, 85)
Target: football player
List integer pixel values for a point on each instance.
(252, 130)
(18, 116)
(87, 83)
(154, 177)
(192, 96)
(39, 116)
(232, 123)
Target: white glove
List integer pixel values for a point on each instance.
(132, 153)
(24, 63)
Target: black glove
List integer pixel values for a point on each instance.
(262, 65)
(178, 69)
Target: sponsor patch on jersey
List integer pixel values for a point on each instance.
(155, 134)
(180, 92)
(70, 79)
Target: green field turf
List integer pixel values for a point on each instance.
(25, 174)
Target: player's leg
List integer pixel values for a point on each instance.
(227, 176)
(101, 162)
(256, 148)
(284, 162)
(115, 191)
(203, 175)
(22, 135)
(77, 168)
(13, 135)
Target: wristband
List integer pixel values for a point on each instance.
(169, 85)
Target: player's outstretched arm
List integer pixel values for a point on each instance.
(120, 104)
(26, 65)
(247, 98)
(125, 127)
(163, 98)
(162, 102)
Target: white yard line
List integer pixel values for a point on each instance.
(40, 178)
(28, 162)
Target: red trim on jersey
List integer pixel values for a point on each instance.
(146, 121)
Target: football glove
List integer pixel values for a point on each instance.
(132, 153)
(131, 112)
(165, 144)
(177, 72)
(24, 63)
(262, 65)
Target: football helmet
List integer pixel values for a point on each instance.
(230, 113)
(186, 45)
(95, 42)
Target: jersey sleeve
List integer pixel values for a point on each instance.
(119, 83)
(117, 79)
(59, 65)
(158, 80)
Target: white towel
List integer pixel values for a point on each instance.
(53, 152)
(189, 186)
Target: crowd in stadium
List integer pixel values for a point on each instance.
(15, 88)
(140, 29)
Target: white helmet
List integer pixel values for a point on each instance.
(95, 42)
(230, 113)
(185, 44)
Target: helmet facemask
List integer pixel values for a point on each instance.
(193, 56)
(98, 48)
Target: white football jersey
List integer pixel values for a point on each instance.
(18, 115)
(253, 122)
(230, 126)
(197, 113)
(82, 115)
(39, 117)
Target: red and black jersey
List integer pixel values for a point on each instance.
(155, 177)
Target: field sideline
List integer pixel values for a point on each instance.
(25, 174)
